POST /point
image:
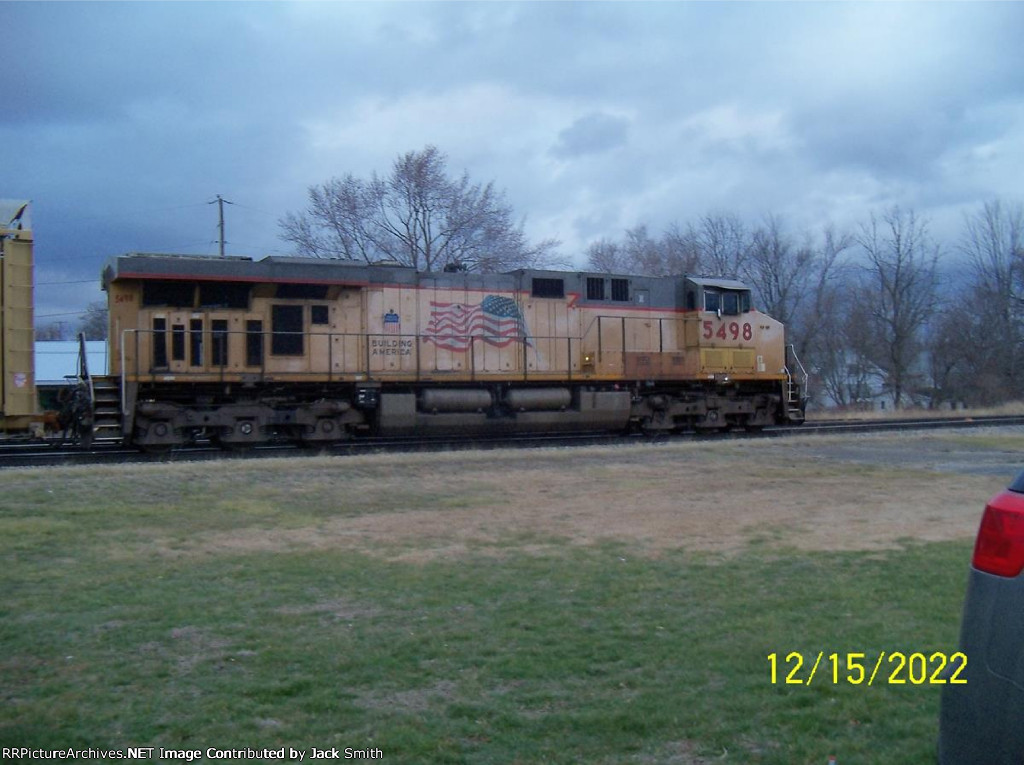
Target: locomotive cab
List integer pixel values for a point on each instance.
(723, 297)
(736, 352)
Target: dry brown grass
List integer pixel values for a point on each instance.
(806, 492)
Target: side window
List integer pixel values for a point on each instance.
(318, 314)
(712, 301)
(620, 290)
(195, 344)
(219, 343)
(254, 343)
(286, 329)
(548, 288)
(178, 342)
(160, 343)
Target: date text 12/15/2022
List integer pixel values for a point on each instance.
(855, 668)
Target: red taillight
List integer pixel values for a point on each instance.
(1000, 546)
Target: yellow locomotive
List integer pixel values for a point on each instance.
(316, 351)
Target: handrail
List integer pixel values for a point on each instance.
(357, 354)
(365, 349)
(791, 352)
(124, 388)
(83, 367)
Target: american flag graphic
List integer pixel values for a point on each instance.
(496, 321)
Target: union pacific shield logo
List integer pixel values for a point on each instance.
(496, 320)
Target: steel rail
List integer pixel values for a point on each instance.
(44, 454)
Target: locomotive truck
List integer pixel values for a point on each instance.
(244, 351)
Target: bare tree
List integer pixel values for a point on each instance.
(417, 215)
(721, 241)
(829, 273)
(994, 245)
(856, 338)
(643, 252)
(681, 251)
(55, 330)
(779, 269)
(951, 343)
(901, 282)
(94, 323)
(832, 368)
(819, 323)
(607, 256)
(674, 254)
(338, 222)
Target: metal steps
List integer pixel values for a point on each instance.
(94, 410)
(796, 386)
(106, 408)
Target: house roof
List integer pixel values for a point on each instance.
(56, 359)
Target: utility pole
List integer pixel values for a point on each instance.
(220, 202)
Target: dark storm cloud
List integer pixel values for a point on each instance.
(905, 88)
(593, 133)
(122, 120)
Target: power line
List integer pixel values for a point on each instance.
(254, 209)
(53, 315)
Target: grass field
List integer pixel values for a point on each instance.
(598, 605)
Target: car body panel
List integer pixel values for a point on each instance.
(982, 721)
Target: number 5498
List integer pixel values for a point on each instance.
(732, 329)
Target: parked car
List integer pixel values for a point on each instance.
(982, 721)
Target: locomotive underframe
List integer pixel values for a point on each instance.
(164, 416)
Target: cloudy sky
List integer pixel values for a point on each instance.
(121, 121)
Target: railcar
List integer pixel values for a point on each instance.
(244, 351)
(21, 416)
(19, 409)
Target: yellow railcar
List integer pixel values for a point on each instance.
(19, 409)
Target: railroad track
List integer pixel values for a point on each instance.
(910, 423)
(43, 453)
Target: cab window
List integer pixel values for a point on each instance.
(730, 303)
